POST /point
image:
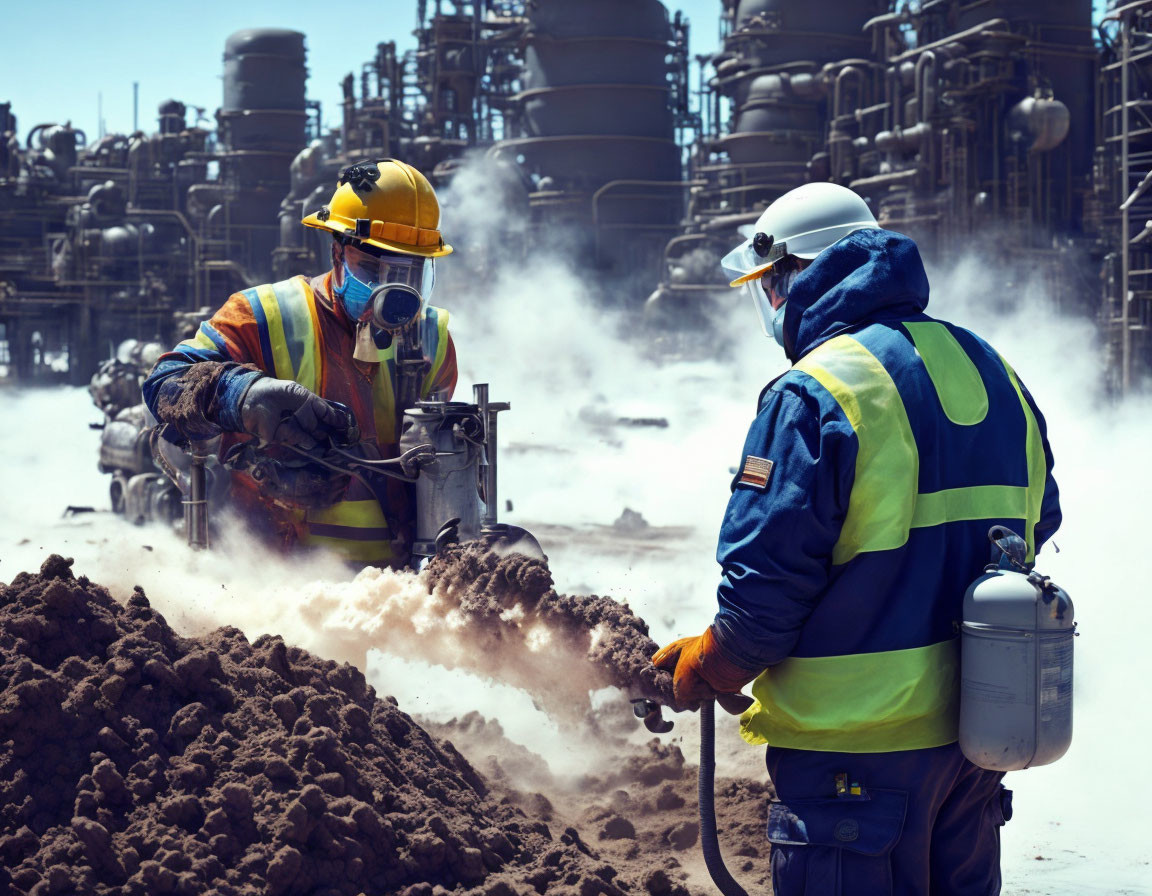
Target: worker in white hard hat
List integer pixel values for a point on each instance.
(792, 232)
(858, 518)
(312, 360)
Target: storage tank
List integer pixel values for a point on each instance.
(1016, 664)
(771, 76)
(770, 69)
(1063, 57)
(779, 32)
(598, 124)
(262, 128)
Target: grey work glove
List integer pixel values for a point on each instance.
(286, 413)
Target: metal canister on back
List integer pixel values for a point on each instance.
(1016, 664)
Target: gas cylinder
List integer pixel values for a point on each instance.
(1015, 664)
(448, 485)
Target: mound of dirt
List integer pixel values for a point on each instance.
(642, 812)
(136, 761)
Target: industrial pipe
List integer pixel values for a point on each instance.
(926, 82)
(621, 182)
(32, 133)
(1001, 30)
(488, 411)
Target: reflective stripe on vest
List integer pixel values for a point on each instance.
(290, 338)
(1037, 466)
(286, 319)
(434, 335)
(883, 497)
(356, 529)
(861, 703)
(900, 699)
(884, 505)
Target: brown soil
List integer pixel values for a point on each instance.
(642, 812)
(133, 760)
(194, 403)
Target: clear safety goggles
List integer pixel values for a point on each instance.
(770, 291)
(377, 269)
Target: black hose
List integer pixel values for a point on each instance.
(709, 842)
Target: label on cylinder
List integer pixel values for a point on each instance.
(1055, 679)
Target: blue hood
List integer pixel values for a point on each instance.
(867, 276)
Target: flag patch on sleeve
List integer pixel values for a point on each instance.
(756, 471)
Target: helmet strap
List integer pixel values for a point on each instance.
(337, 265)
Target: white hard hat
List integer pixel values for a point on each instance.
(803, 222)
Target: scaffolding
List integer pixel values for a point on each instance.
(1122, 183)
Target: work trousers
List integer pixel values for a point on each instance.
(923, 822)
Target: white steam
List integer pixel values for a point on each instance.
(1085, 815)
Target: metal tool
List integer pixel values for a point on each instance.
(196, 501)
(653, 715)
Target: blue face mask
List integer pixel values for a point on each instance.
(354, 294)
(782, 285)
(778, 324)
(772, 319)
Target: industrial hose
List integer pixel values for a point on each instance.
(709, 842)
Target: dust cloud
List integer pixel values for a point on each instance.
(1080, 825)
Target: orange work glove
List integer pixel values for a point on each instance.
(700, 670)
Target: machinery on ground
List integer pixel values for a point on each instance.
(448, 455)
(139, 488)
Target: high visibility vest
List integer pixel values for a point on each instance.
(290, 335)
(902, 699)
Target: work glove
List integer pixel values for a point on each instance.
(701, 671)
(285, 413)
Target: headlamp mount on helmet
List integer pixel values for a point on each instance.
(765, 245)
(361, 176)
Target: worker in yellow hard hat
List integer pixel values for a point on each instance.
(312, 361)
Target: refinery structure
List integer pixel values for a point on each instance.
(1015, 129)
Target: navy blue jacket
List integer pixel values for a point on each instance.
(784, 591)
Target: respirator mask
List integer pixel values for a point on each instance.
(385, 289)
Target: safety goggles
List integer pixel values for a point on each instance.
(377, 269)
(770, 291)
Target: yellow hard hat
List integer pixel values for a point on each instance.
(387, 204)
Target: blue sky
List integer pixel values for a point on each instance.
(60, 55)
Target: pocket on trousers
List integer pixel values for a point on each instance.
(835, 847)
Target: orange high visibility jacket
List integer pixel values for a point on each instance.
(293, 330)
